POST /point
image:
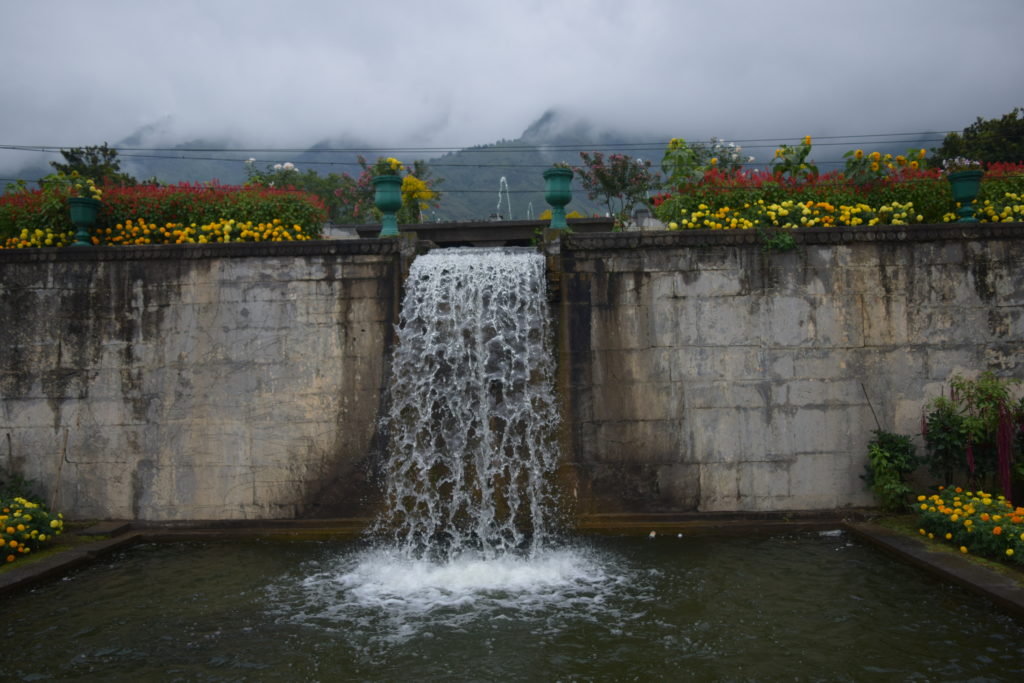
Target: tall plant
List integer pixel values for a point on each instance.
(976, 430)
(619, 180)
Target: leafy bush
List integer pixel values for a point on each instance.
(24, 212)
(975, 522)
(890, 457)
(977, 431)
(620, 181)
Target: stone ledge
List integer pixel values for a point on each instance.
(61, 562)
(190, 252)
(809, 236)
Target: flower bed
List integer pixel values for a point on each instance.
(873, 189)
(976, 522)
(130, 214)
(24, 527)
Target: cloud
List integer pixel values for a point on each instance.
(458, 73)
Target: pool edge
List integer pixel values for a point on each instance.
(1007, 594)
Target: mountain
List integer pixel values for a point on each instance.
(472, 176)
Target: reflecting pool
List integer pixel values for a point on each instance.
(799, 607)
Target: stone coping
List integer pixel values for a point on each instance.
(203, 251)
(1006, 593)
(573, 241)
(824, 236)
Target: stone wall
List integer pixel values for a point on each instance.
(702, 373)
(216, 382)
(698, 371)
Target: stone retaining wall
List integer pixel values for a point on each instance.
(216, 382)
(698, 371)
(702, 373)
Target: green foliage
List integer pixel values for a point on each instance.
(864, 170)
(774, 240)
(986, 140)
(961, 431)
(286, 176)
(16, 486)
(890, 457)
(683, 163)
(621, 182)
(791, 161)
(97, 162)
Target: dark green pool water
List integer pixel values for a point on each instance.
(807, 607)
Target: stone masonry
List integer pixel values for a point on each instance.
(703, 373)
(171, 383)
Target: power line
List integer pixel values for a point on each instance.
(500, 147)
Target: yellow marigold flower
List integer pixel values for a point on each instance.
(1009, 552)
(807, 139)
(875, 156)
(714, 161)
(963, 549)
(874, 166)
(949, 536)
(922, 532)
(859, 154)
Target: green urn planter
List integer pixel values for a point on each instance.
(83, 215)
(557, 193)
(965, 186)
(388, 198)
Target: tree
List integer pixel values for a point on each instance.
(621, 182)
(988, 141)
(98, 162)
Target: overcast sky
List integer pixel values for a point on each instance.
(464, 72)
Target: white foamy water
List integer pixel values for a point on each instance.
(383, 598)
(472, 417)
(468, 533)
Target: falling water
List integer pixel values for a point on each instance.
(472, 417)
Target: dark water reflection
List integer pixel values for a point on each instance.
(805, 607)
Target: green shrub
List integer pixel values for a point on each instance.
(890, 457)
(974, 433)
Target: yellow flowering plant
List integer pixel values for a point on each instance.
(977, 522)
(791, 161)
(25, 526)
(388, 166)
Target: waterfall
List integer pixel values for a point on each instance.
(472, 418)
